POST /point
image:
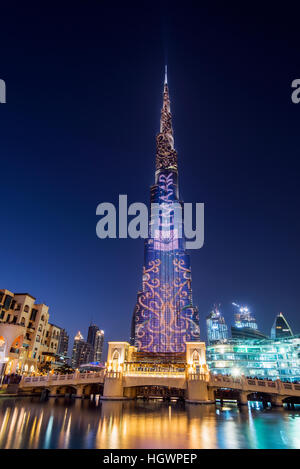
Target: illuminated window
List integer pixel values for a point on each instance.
(196, 357)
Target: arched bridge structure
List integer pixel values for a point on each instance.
(277, 392)
(77, 384)
(197, 387)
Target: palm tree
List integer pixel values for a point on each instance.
(65, 369)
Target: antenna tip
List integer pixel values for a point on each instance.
(166, 74)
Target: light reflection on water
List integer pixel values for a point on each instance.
(60, 423)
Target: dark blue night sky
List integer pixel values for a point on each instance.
(84, 92)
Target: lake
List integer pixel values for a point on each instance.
(27, 422)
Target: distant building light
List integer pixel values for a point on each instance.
(236, 372)
(78, 336)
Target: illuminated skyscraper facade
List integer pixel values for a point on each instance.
(96, 339)
(266, 358)
(164, 317)
(82, 351)
(244, 318)
(217, 330)
(280, 328)
(63, 344)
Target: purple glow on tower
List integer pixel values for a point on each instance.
(164, 318)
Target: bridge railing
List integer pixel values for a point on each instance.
(217, 379)
(54, 378)
(243, 383)
(168, 374)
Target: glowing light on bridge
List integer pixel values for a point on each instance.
(236, 372)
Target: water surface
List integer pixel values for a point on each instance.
(60, 423)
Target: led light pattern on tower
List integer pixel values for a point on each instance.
(164, 318)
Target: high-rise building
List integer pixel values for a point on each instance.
(28, 338)
(217, 330)
(96, 339)
(63, 343)
(82, 352)
(280, 328)
(98, 347)
(165, 318)
(244, 318)
(93, 329)
(263, 358)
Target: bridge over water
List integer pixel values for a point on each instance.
(196, 387)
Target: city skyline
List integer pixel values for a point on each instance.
(252, 231)
(149, 165)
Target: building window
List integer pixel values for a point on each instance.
(33, 314)
(196, 357)
(7, 302)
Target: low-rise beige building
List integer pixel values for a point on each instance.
(27, 338)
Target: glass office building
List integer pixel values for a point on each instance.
(243, 318)
(280, 328)
(96, 340)
(217, 330)
(267, 358)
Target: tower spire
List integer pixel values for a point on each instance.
(166, 156)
